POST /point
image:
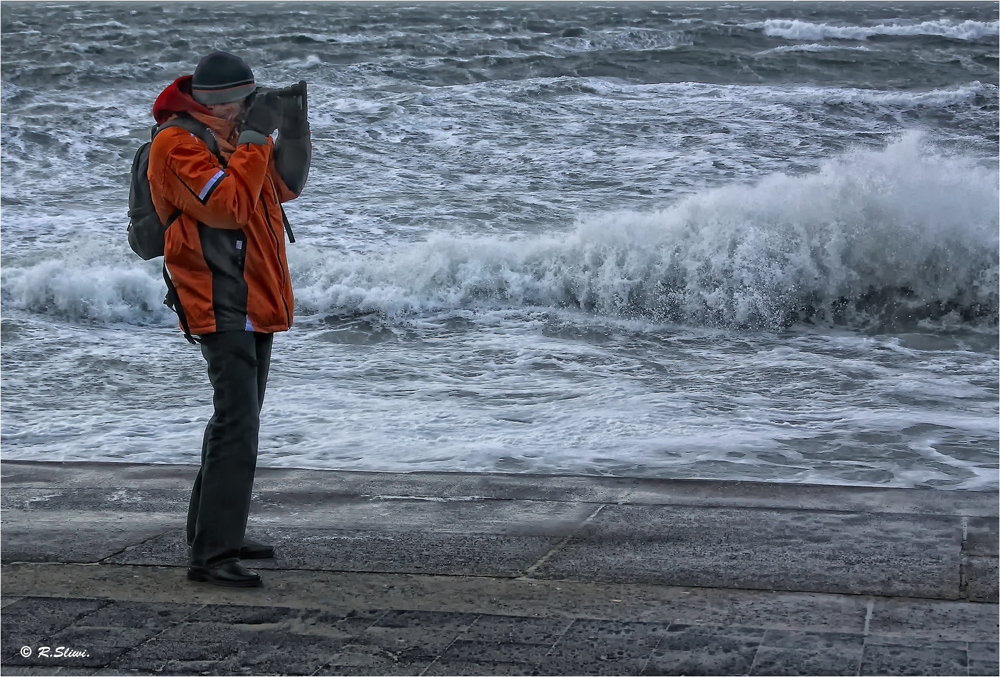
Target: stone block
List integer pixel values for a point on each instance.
(982, 579)
(516, 629)
(913, 555)
(890, 659)
(779, 661)
(982, 537)
(44, 616)
(933, 620)
(27, 538)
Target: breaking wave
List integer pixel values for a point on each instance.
(885, 239)
(793, 29)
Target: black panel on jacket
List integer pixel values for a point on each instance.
(225, 253)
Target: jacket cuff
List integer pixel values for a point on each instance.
(250, 136)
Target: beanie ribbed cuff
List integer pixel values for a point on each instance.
(209, 97)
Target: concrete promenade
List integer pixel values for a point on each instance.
(466, 574)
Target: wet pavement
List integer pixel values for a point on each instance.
(465, 573)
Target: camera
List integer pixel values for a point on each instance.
(290, 101)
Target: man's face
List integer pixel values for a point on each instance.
(231, 111)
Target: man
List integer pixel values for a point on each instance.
(225, 254)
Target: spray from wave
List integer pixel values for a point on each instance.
(886, 239)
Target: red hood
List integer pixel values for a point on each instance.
(176, 98)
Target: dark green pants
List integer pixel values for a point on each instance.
(238, 362)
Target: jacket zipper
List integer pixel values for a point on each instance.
(277, 249)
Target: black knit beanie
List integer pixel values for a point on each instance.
(220, 78)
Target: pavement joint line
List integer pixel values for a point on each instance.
(656, 646)
(132, 546)
(155, 635)
(544, 558)
(497, 579)
(559, 638)
(453, 640)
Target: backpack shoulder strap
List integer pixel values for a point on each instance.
(198, 129)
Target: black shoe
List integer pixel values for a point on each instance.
(231, 574)
(254, 550)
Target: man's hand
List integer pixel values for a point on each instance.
(263, 116)
(294, 124)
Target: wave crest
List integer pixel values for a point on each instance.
(793, 29)
(889, 238)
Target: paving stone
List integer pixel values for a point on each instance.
(415, 635)
(593, 647)
(132, 615)
(683, 638)
(813, 641)
(358, 659)
(282, 619)
(31, 616)
(778, 661)
(454, 554)
(702, 654)
(888, 659)
(227, 667)
(47, 670)
(583, 663)
(982, 537)
(518, 629)
(453, 667)
(135, 499)
(188, 642)
(28, 539)
(916, 643)
(934, 620)
(428, 620)
(984, 650)
(286, 653)
(978, 666)
(913, 555)
(495, 652)
(408, 642)
(981, 579)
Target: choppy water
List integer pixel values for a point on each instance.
(749, 241)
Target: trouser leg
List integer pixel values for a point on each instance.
(238, 363)
(262, 348)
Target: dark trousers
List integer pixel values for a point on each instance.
(238, 362)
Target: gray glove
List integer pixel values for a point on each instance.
(263, 116)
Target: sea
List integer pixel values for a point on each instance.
(722, 240)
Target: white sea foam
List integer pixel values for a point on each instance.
(79, 288)
(867, 223)
(875, 228)
(814, 47)
(794, 29)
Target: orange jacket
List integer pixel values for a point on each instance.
(226, 251)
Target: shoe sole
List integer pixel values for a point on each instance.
(202, 578)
